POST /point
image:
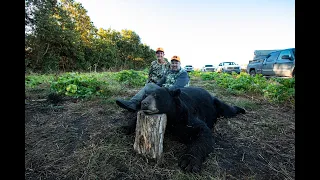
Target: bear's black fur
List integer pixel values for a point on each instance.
(191, 114)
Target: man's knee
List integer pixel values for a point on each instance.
(150, 86)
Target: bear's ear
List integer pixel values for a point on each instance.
(175, 93)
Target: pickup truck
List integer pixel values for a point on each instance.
(229, 67)
(279, 63)
(208, 67)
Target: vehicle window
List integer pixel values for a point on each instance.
(273, 56)
(208, 65)
(220, 64)
(285, 52)
(230, 63)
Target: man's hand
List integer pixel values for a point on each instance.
(152, 81)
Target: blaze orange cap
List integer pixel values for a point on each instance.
(160, 49)
(177, 58)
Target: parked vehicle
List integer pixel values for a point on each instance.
(279, 63)
(229, 67)
(188, 68)
(208, 68)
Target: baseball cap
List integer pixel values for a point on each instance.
(160, 49)
(177, 58)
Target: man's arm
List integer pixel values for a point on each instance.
(181, 81)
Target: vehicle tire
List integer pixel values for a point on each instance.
(252, 72)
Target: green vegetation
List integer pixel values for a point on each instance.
(34, 80)
(78, 85)
(274, 89)
(132, 78)
(107, 84)
(195, 73)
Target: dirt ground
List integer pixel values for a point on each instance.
(83, 139)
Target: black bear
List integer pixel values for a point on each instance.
(191, 114)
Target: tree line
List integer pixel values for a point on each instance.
(60, 37)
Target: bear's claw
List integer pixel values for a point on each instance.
(190, 164)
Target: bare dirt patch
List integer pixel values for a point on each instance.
(83, 139)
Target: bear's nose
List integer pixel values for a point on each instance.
(145, 103)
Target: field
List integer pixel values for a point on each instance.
(76, 138)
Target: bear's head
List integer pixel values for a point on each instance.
(160, 100)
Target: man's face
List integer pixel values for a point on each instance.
(175, 65)
(160, 55)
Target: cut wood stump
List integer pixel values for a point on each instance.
(150, 131)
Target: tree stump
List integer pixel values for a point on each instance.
(150, 131)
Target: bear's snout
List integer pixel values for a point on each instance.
(149, 105)
(145, 104)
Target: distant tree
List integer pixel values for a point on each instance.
(51, 42)
(60, 36)
(82, 21)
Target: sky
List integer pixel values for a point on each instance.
(201, 31)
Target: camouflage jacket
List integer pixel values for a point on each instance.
(157, 71)
(174, 79)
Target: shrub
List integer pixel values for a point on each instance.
(77, 85)
(132, 77)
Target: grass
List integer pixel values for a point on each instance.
(82, 139)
